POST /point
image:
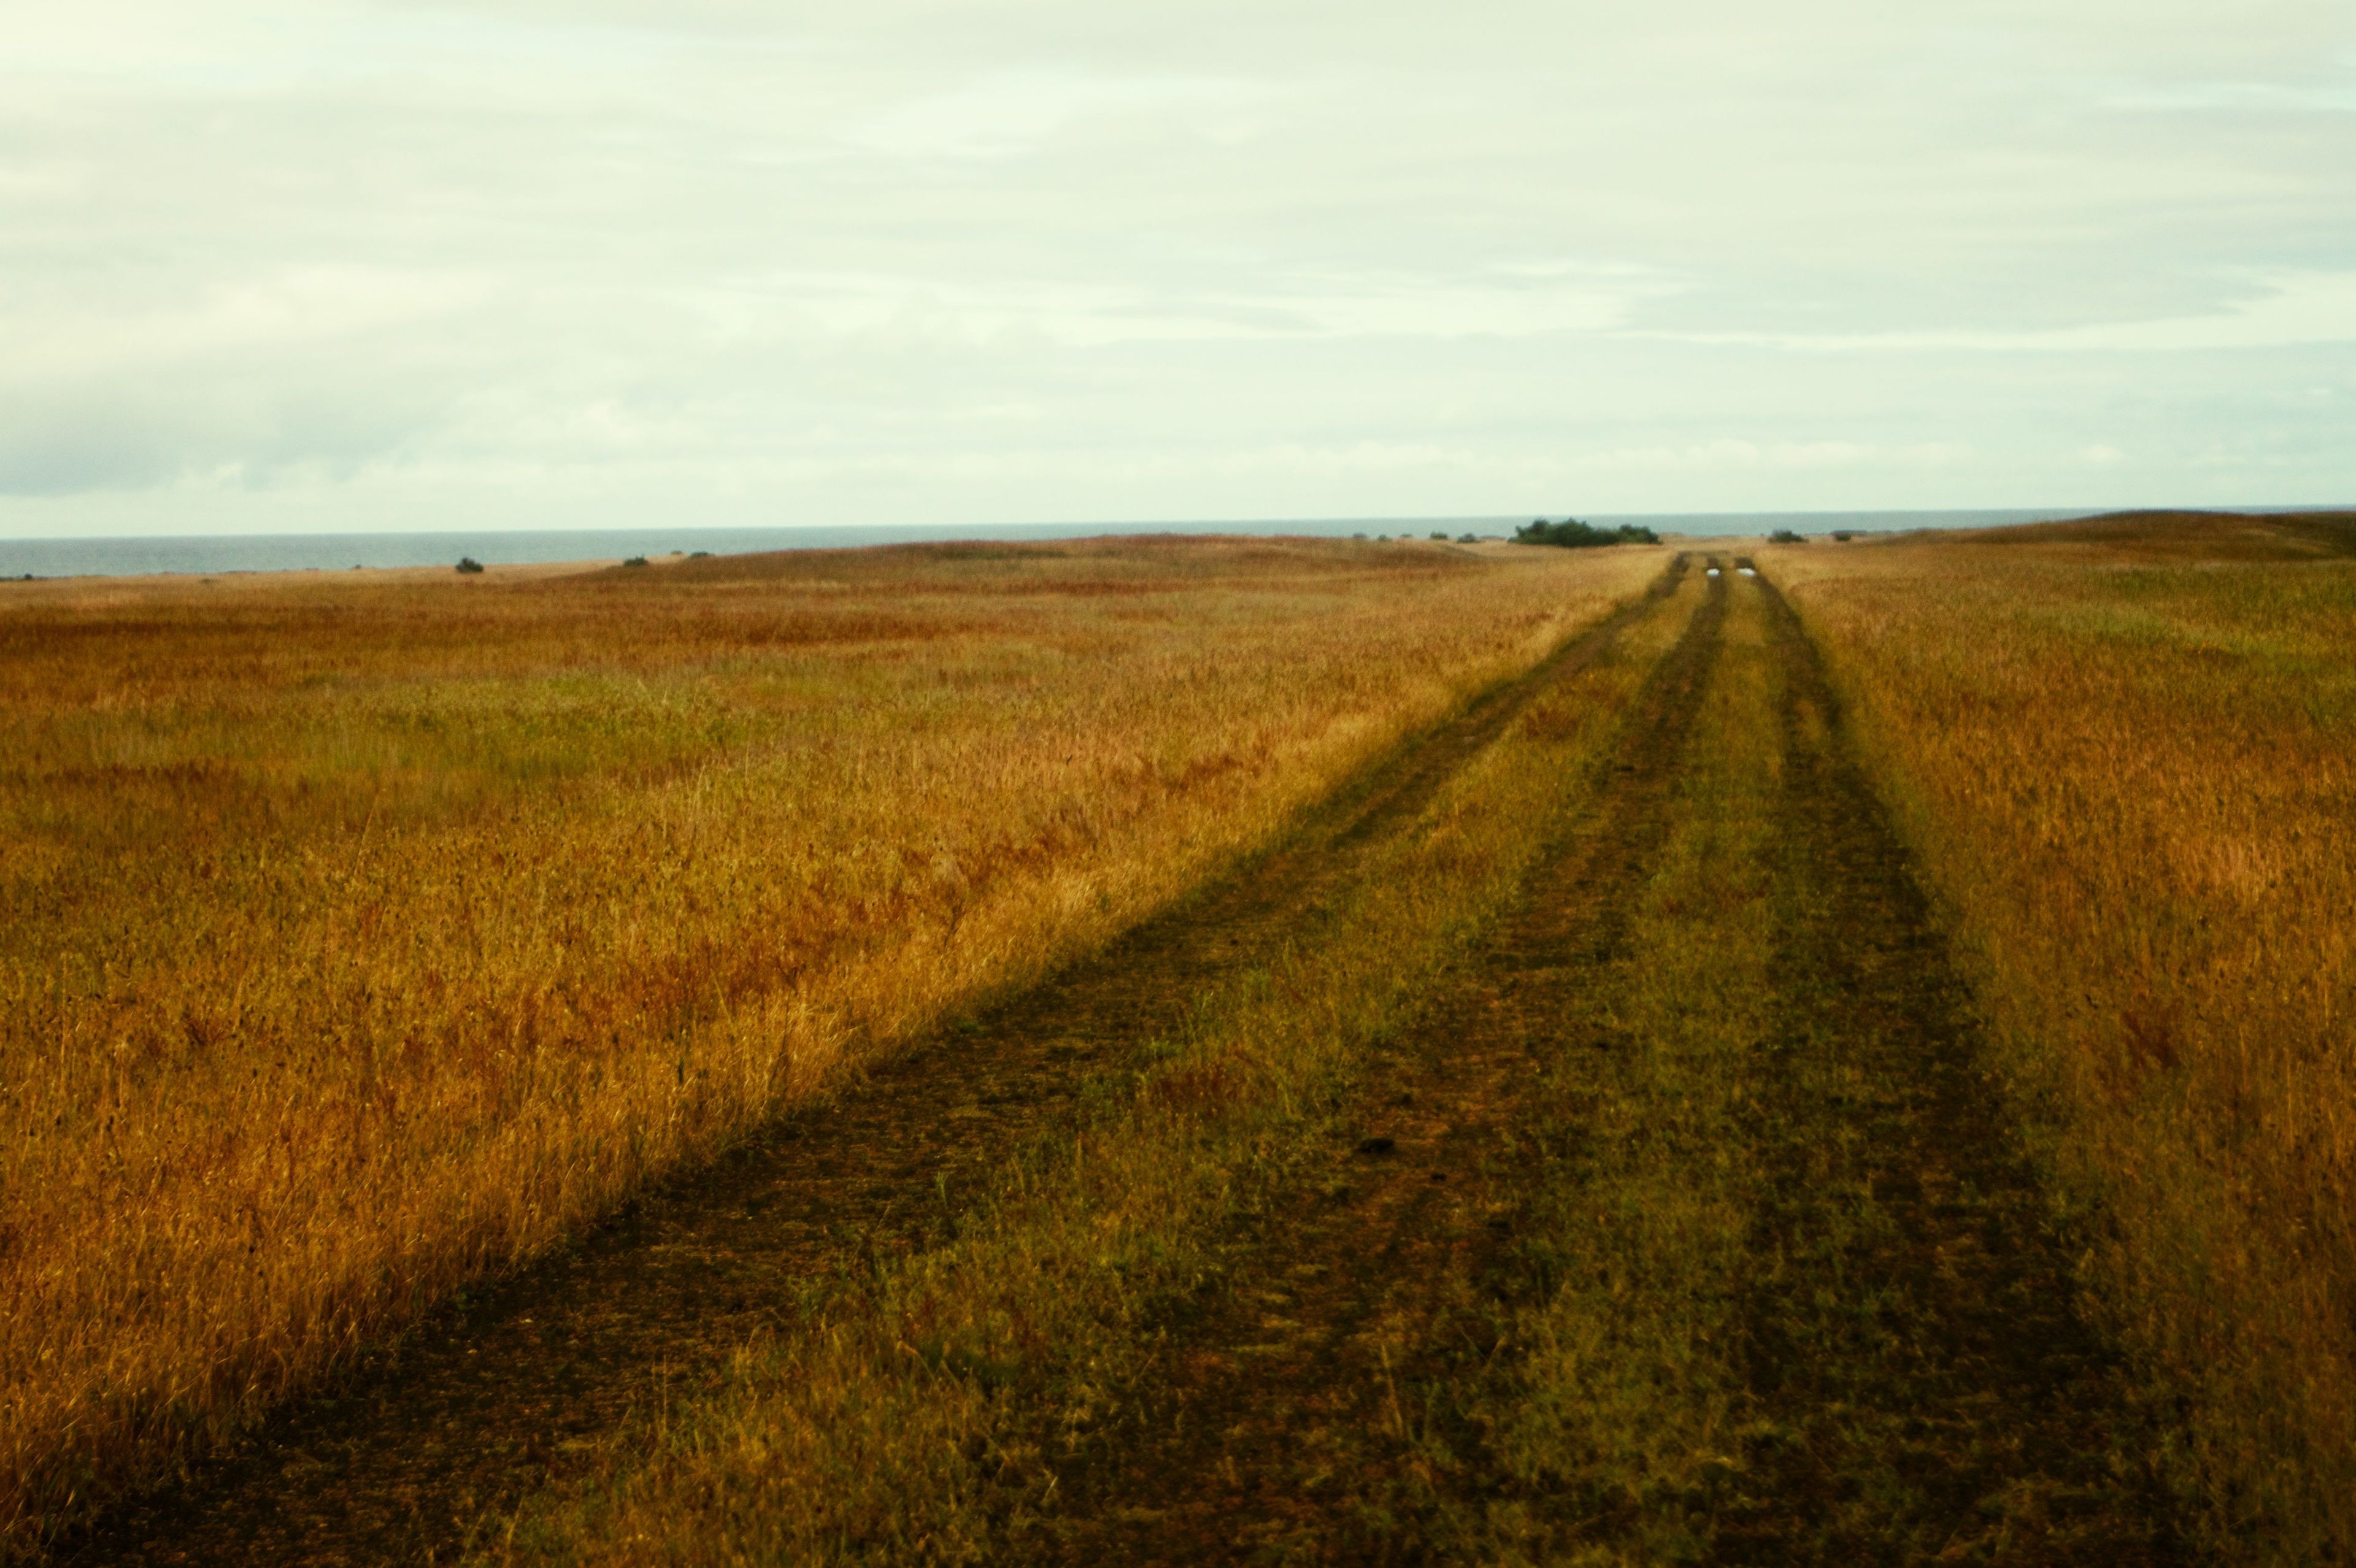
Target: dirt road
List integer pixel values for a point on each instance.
(1282, 1429)
(1680, 1225)
(423, 1451)
(1694, 1233)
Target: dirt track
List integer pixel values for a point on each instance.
(416, 1454)
(1909, 1379)
(1917, 1347)
(1280, 1432)
(1904, 1373)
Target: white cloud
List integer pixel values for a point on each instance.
(1750, 456)
(1008, 114)
(320, 307)
(574, 261)
(2293, 310)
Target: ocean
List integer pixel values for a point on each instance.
(334, 552)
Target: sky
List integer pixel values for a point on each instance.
(525, 263)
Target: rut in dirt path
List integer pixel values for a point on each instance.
(429, 1446)
(1924, 1379)
(1863, 1339)
(1278, 1429)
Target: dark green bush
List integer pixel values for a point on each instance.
(1572, 534)
(467, 565)
(634, 560)
(1785, 535)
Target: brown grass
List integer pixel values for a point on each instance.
(931, 1409)
(2183, 536)
(2126, 753)
(361, 935)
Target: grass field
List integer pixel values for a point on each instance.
(363, 935)
(1181, 1051)
(2127, 754)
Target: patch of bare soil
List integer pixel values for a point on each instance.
(1288, 1422)
(431, 1443)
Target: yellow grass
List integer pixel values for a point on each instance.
(2127, 758)
(923, 1414)
(359, 935)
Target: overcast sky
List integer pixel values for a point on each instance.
(589, 263)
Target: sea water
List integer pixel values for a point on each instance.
(336, 553)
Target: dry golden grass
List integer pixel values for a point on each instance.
(2179, 535)
(928, 1410)
(361, 935)
(2126, 753)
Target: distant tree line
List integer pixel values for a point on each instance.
(1572, 534)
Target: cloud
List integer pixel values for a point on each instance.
(1731, 454)
(571, 261)
(1007, 115)
(260, 432)
(2293, 310)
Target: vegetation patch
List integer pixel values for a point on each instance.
(2121, 751)
(1837, 1058)
(361, 937)
(1572, 534)
(935, 1411)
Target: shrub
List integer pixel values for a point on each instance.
(467, 565)
(1439, 534)
(1572, 534)
(634, 560)
(700, 555)
(1785, 535)
(1844, 535)
(1468, 539)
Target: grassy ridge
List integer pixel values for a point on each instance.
(360, 936)
(2125, 755)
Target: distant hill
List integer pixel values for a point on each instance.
(2200, 536)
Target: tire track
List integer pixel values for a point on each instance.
(1929, 1386)
(1284, 1426)
(1886, 1334)
(432, 1440)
